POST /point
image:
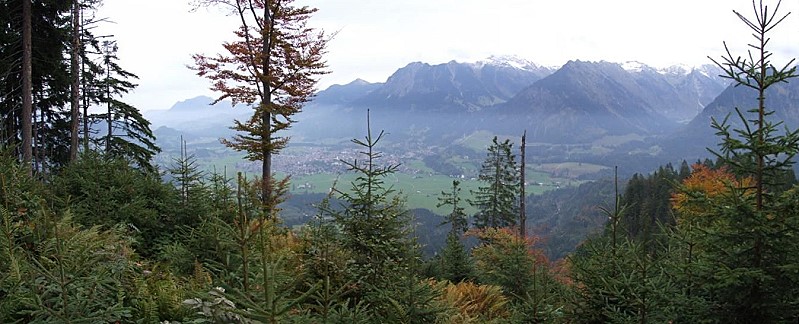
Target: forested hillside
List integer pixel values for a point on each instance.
(92, 230)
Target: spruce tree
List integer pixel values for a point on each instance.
(497, 200)
(128, 133)
(373, 219)
(457, 217)
(193, 193)
(749, 248)
(456, 264)
(34, 80)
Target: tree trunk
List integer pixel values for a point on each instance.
(522, 215)
(37, 151)
(266, 116)
(27, 87)
(108, 102)
(75, 54)
(85, 97)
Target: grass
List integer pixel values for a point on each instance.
(419, 191)
(419, 165)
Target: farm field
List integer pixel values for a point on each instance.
(422, 191)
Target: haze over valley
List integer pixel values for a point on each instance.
(582, 119)
(600, 113)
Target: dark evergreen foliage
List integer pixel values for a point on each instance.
(50, 79)
(457, 218)
(747, 245)
(647, 201)
(456, 263)
(374, 222)
(108, 192)
(497, 200)
(626, 284)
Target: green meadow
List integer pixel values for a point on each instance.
(421, 191)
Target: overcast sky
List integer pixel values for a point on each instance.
(156, 38)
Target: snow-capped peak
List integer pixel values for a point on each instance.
(506, 61)
(679, 69)
(634, 66)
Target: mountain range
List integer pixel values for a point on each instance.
(579, 102)
(600, 111)
(453, 86)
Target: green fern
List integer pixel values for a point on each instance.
(77, 275)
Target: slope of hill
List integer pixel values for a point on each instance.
(691, 140)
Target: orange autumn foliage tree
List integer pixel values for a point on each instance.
(474, 303)
(704, 186)
(272, 66)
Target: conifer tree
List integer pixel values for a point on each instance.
(456, 264)
(745, 249)
(34, 80)
(187, 175)
(75, 53)
(374, 222)
(755, 150)
(627, 283)
(27, 85)
(193, 193)
(496, 201)
(457, 217)
(128, 133)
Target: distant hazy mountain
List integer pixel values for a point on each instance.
(782, 98)
(703, 84)
(678, 92)
(198, 116)
(454, 86)
(338, 94)
(584, 101)
(580, 102)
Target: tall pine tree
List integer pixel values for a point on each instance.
(497, 200)
(128, 133)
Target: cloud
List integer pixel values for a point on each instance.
(157, 38)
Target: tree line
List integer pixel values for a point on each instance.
(62, 88)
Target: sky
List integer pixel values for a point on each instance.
(374, 38)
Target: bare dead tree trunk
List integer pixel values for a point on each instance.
(522, 215)
(109, 47)
(75, 53)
